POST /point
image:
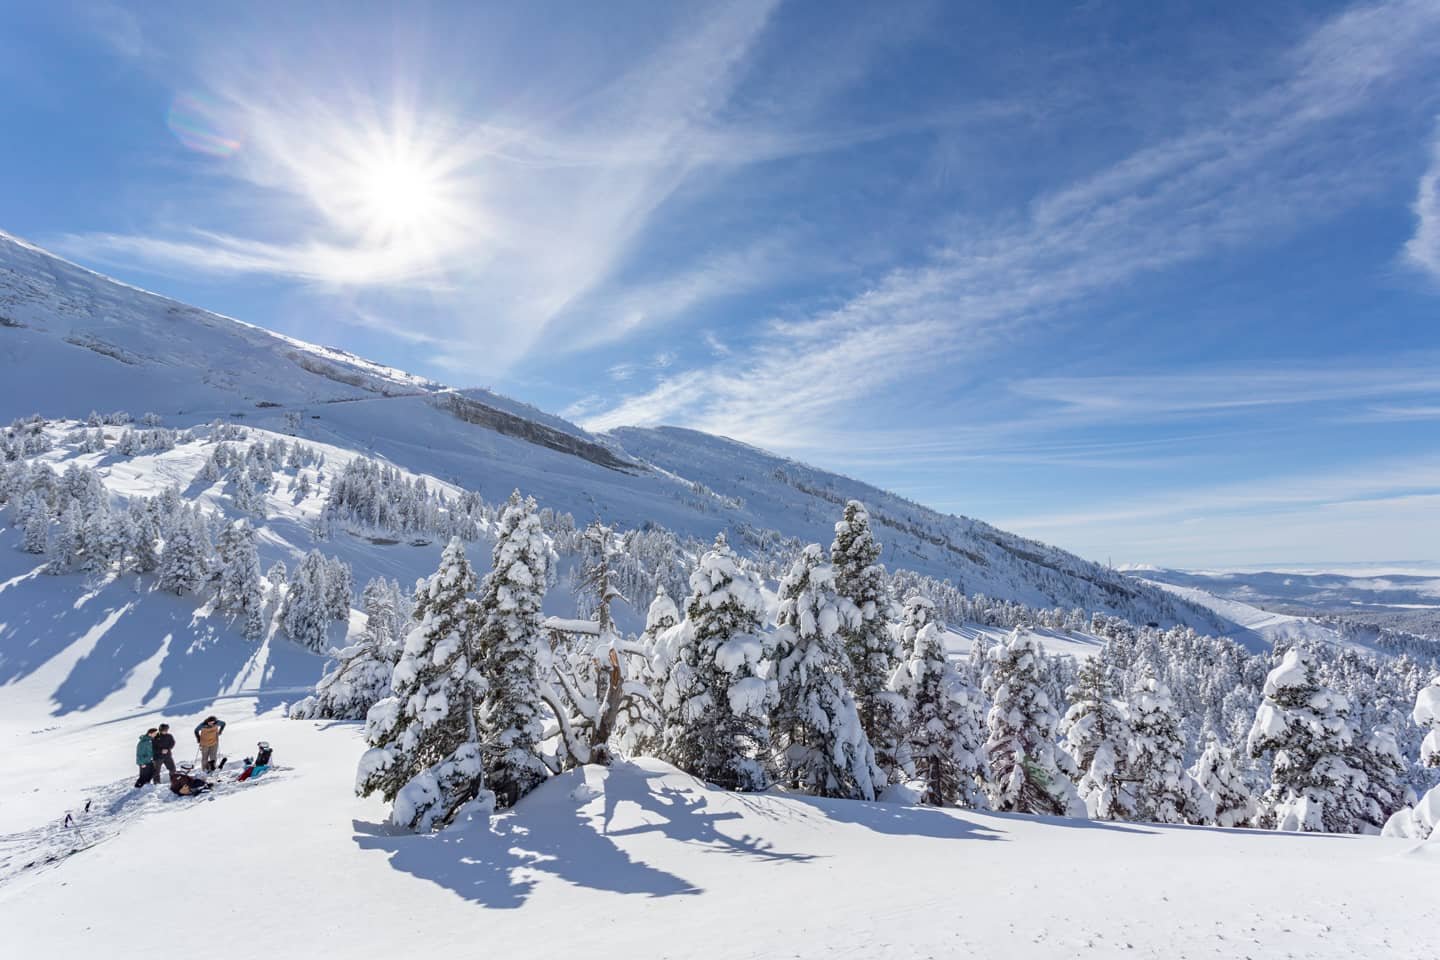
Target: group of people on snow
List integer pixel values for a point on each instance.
(155, 755)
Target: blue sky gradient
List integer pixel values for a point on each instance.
(1151, 283)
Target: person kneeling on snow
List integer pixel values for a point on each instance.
(145, 758)
(186, 785)
(207, 734)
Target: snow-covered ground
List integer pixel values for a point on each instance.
(643, 861)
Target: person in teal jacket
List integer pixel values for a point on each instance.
(145, 758)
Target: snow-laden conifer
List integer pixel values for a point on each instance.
(870, 648)
(1422, 821)
(1219, 775)
(34, 520)
(1306, 727)
(186, 561)
(144, 530)
(425, 754)
(339, 589)
(1096, 735)
(1164, 790)
(942, 733)
(1378, 790)
(63, 552)
(305, 612)
(716, 698)
(511, 643)
(241, 591)
(359, 675)
(819, 743)
(1027, 773)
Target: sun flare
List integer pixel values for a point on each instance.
(399, 196)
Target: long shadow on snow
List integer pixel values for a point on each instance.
(897, 819)
(203, 656)
(556, 831)
(681, 815)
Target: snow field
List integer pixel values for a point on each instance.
(641, 860)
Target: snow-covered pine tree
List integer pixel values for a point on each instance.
(145, 535)
(1096, 735)
(359, 676)
(425, 754)
(716, 699)
(304, 613)
(241, 590)
(819, 743)
(1381, 790)
(870, 648)
(339, 588)
(99, 539)
(511, 644)
(1164, 790)
(660, 618)
(1307, 729)
(185, 562)
(212, 470)
(34, 519)
(1422, 821)
(1027, 773)
(1219, 776)
(892, 711)
(641, 728)
(943, 740)
(63, 555)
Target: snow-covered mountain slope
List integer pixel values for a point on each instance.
(1259, 629)
(73, 643)
(640, 860)
(72, 341)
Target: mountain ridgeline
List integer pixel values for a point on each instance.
(73, 341)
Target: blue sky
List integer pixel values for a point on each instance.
(1153, 284)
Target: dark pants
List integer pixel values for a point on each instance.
(148, 772)
(164, 760)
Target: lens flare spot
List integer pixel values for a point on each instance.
(198, 124)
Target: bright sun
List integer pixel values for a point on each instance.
(399, 196)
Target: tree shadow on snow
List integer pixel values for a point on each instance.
(681, 815)
(898, 819)
(194, 657)
(495, 866)
(558, 830)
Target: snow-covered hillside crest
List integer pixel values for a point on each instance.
(73, 341)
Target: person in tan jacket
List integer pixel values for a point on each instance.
(207, 734)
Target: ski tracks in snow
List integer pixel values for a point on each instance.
(103, 815)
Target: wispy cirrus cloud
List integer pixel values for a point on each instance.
(1422, 250)
(529, 212)
(1267, 162)
(1219, 392)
